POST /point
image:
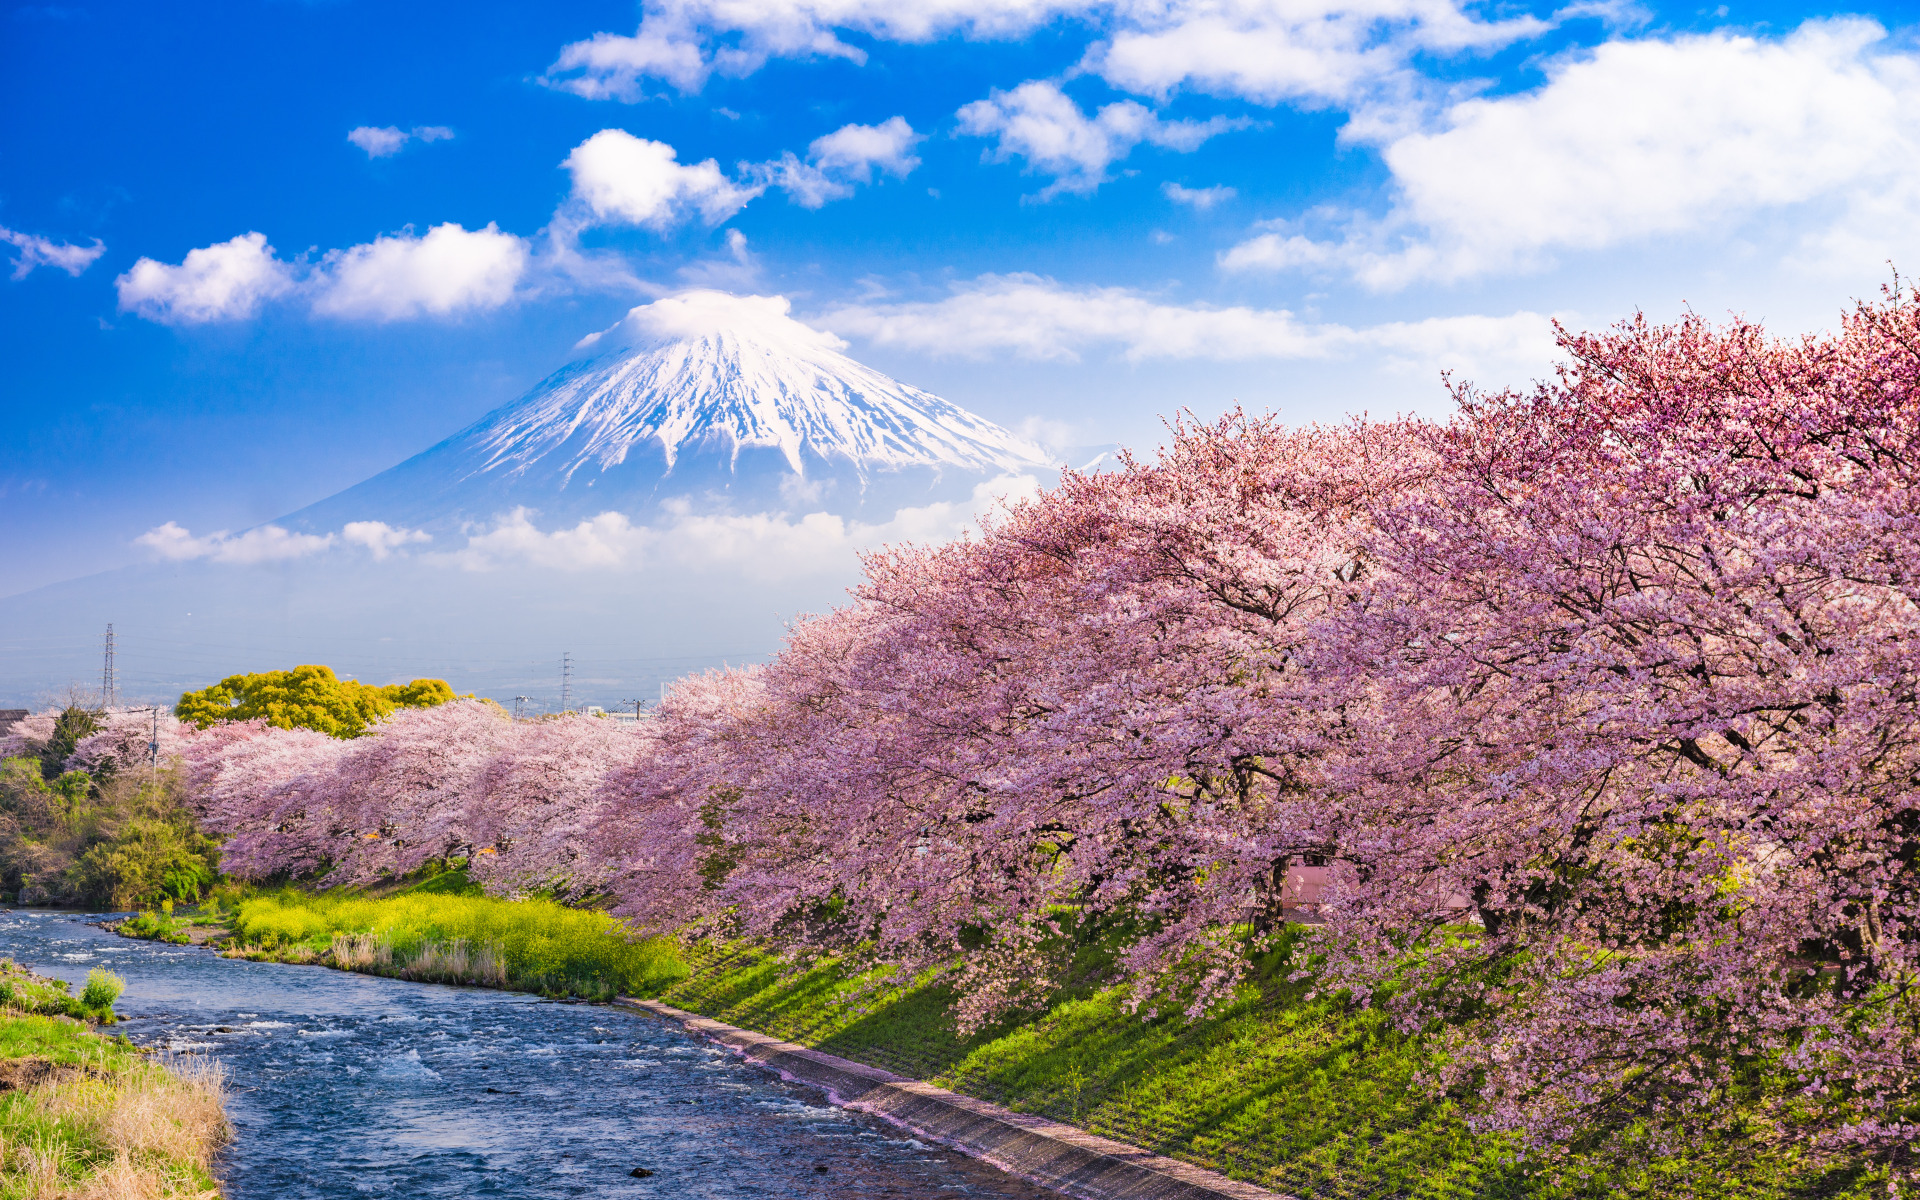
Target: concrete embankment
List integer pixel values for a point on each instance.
(1058, 1156)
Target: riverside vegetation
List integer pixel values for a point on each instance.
(1291, 1085)
(88, 1117)
(442, 929)
(105, 835)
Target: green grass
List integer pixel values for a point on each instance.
(22, 991)
(155, 927)
(432, 931)
(87, 1115)
(1306, 1096)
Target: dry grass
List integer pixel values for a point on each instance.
(454, 961)
(108, 1124)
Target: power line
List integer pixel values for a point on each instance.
(566, 682)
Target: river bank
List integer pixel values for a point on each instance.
(1288, 1089)
(1293, 1090)
(90, 1117)
(437, 930)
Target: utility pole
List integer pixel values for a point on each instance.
(636, 707)
(566, 682)
(106, 672)
(153, 743)
(520, 707)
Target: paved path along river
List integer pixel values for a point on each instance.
(346, 1085)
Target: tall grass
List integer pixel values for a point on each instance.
(87, 1118)
(528, 945)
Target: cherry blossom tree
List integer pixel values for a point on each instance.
(533, 807)
(268, 793)
(131, 737)
(1638, 673)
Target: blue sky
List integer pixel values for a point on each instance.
(1071, 217)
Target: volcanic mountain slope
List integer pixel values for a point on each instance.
(725, 401)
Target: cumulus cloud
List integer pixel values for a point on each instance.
(856, 149)
(268, 543)
(843, 158)
(447, 271)
(387, 140)
(704, 312)
(608, 66)
(761, 546)
(1641, 139)
(1200, 198)
(379, 538)
(36, 251)
(1027, 316)
(1042, 124)
(223, 282)
(623, 179)
(1265, 50)
(1274, 51)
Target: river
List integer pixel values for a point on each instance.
(347, 1085)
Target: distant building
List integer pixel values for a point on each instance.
(8, 716)
(625, 718)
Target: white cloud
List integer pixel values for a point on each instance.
(1278, 251)
(1031, 317)
(379, 538)
(1040, 123)
(856, 149)
(1273, 51)
(449, 270)
(685, 41)
(387, 140)
(1265, 50)
(843, 158)
(222, 282)
(1027, 316)
(1200, 198)
(1648, 138)
(36, 251)
(761, 546)
(703, 312)
(378, 142)
(621, 178)
(608, 66)
(268, 543)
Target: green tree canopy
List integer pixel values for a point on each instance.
(309, 697)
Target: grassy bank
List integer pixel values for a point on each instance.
(439, 932)
(89, 1117)
(1303, 1095)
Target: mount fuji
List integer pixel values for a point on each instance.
(701, 473)
(723, 402)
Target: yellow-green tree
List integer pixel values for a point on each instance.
(309, 697)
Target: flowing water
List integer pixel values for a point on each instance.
(346, 1085)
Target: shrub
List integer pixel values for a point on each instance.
(103, 988)
(151, 860)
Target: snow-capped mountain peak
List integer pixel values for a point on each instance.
(706, 370)
(699, 393)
